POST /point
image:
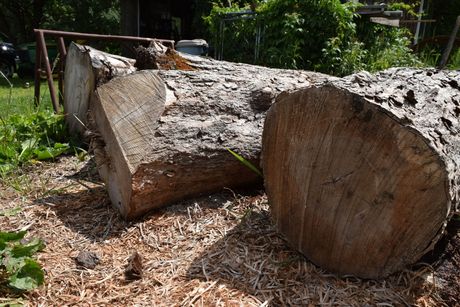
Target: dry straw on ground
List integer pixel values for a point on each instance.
(219, 250)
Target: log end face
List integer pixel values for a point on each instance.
(349, 186)
(80, 83)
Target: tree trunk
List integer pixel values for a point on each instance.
(362, 173)
(86, 68)
(164, 134)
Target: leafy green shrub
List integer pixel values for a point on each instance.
(386, 46)
(18, 270)
(40, 135)
(321, 35)
(307, 34)
(237, 36)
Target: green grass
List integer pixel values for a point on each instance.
(454, 60)
(22, 97)
(430, 57)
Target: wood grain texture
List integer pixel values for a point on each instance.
(363, 172)
(125, 113)
(182, 152)
(86, 68)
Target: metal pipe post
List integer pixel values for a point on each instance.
(38, 64)
(450, 44)
(62, 56)
(49, 74)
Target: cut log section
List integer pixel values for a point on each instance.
(362, 173)
(86, 68)
(164, 134)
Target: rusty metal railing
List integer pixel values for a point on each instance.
(41, 53)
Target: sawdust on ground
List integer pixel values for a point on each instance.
(218, 250)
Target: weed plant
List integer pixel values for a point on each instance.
(28, 133)
(18, 269)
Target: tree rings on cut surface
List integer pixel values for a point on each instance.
(350, 185)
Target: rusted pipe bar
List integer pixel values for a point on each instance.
(103, 37)
(38, 64)
(62, 56)
(49, 75)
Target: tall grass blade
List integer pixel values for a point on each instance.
(245, 162)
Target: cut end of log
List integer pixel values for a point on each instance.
(127, 111)
(149, 160)
(87, 68)
(350, 186)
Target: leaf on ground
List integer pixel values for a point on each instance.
(12, 264)
(28, 277)
(45, 153)
(27, 147)
(27, 250)
(11, 236)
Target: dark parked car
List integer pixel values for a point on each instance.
(8, 57)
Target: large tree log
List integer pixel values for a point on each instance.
(164, 134)
(86, 68)
(362, 173)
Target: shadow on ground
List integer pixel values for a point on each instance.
(254, 259)
(88, 173)
(86, 212)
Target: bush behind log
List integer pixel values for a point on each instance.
(323, 36)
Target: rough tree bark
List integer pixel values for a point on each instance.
(87, 68)
(164, 133)
(362, 173)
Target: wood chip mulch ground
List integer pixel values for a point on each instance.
(218, 250)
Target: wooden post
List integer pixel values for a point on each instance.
(450, 44)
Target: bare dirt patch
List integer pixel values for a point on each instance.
(218, 250)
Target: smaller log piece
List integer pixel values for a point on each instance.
(363, 173)
(164, 133)
(87, 68)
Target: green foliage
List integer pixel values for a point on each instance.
(18, 270)
(454, 60)
(407, 7)
(40, 135)
(307, 34)
(238, 36)
(99, 16)
(430, 57)
(325, 36)
(18, 18)
(386, 46)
